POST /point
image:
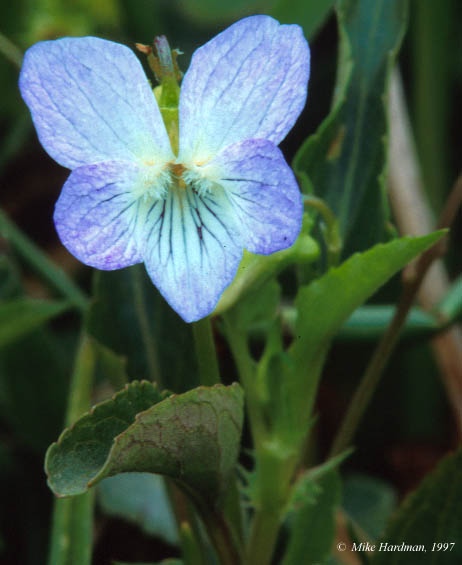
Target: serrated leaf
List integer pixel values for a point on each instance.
(312, 526)
(140, 498)
(20, 316)
(430, 514)
(193, 438)
(82, 449)
(345, 160)
(129, 316)
(324, 306)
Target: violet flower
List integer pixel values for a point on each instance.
(131, 197)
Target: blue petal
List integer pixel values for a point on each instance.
(91, 102)
(250, 81)
(263, 192)
(192, 249)
(96, 215)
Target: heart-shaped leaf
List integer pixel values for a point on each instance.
(192, 438)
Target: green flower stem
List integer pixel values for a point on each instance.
(72, 522)
(205, 351)
(56, 277)
(332, 233)
(225, 539)
(222, 537)
(274, 471)
(274, 466)
(71, 533)
(264, 532)
(146, 334)
(246, 368)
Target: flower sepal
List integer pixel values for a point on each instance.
(163, 62)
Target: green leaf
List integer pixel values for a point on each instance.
(193, 438)
(344, 161)
(312, 526)
(369, 502)
(140, 498)
(81, 450)
(316, 473)
(324, 306)
(432, 514)
(129, 316)
(20, 316)
(310, 15)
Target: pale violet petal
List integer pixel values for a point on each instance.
(192, 249)
(250, 81)
(263, 192)
(96, 214)
(90, 101)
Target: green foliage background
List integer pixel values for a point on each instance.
(408, 428)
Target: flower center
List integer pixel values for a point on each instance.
(177, 169)
(176, 172)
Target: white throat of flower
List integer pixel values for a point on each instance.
(156, 180)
